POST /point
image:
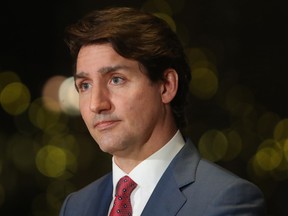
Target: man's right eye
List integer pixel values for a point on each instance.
(84, 86)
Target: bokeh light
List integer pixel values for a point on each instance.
(50, 93)
(53, 161)
(285, 149)
(7, 77)
(213, 145)
(234, 144)
(23, 124)
(168, 19)
(269, 155)
(69, 98)
(21, 151)
(204, 83)
(266, 124)
(41, 117)
(281, 130)
(15, 98)
(66, 141)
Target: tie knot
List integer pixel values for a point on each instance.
(122, 203)
(125, 186)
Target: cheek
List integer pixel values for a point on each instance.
(84, 108)
(144, 103)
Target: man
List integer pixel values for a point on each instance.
(132, 78)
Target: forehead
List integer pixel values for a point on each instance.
(101, 57)
(96, 53)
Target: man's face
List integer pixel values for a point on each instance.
(121, 107)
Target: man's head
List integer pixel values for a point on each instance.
(139, 36)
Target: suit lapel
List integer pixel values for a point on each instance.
(167, 198)
(102, 198)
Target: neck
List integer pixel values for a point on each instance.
(128, 162)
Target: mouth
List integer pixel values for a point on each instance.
(105, 125)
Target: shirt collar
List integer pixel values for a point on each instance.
(154, 166)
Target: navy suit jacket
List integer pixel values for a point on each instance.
(191, 186)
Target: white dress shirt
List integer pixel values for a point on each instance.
(148, 173)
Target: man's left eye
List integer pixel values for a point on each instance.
(117, 80)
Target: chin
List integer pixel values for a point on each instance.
(107, 147)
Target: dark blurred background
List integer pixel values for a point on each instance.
(238, 115)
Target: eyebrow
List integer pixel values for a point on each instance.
(103, 70)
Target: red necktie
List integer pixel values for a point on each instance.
(122, 203)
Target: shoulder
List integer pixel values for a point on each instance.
(211, 178)
(216, 188)
(202, 170)
(219, 178)
(96, 195)
(93, 188)
(222, 191)
(212, 171)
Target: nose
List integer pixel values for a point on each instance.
(99, 100)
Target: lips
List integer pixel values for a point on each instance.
(104, 125)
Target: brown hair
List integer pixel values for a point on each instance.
(137, 35)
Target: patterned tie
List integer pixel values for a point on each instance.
(122, 203)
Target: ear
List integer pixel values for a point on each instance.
(169, 85)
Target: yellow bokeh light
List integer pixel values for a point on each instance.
(213, 145)
(235, 144)
(281, 130)
(203, 64)
(41, 117)
(167, 19)
(21, 151)
(268, 159)
(254, 169)
(65, 141)
(163, 6)
(266, 124)
(195, 55)
(7, 77)
(15, 98)
(55, 162)
(285, 149)
(204, 83)
(269, 155)
(51, 161)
